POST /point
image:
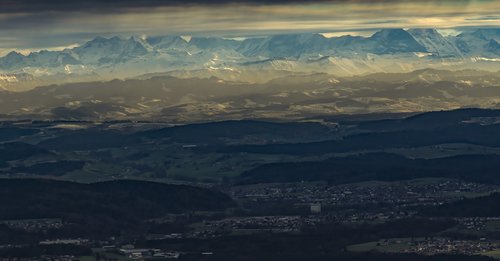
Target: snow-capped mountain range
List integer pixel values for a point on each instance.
(388, 50)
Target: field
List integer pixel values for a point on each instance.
(393, 245)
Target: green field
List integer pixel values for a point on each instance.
(494, 254)
(392, 245)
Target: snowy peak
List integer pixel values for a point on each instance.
(14, 55)
(479, 43)
(167, 42)
(395, 40)
(388, 50)
(213, 43)
(51, 59)
(136, 46)
(424, 32)
(102, 50)
(252, 46)
(487, 34)
(426, 35)
(392, 34)
(493, 46)
(289, 45)
(12, 60)
(44, 58)
(300, 39)
(434, 42)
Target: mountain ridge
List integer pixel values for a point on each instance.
(388, 50)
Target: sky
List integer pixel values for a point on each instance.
(30, 25)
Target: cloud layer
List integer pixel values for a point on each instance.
(36, 6)
(34, 24)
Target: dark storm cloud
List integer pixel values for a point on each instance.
(37, 6)
(33, 6)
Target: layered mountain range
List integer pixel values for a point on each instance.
(255, 60)
(294, 97)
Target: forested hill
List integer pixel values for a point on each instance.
(128, 200)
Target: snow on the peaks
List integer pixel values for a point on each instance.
(389, 50)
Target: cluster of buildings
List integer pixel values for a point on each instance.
(256, 224)
(477, 224)
(77, 241)
(322, 203)
(278, 223)
(34, 225)
(397, 195)
(448, 246)
(42, 258)
(132, 253)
